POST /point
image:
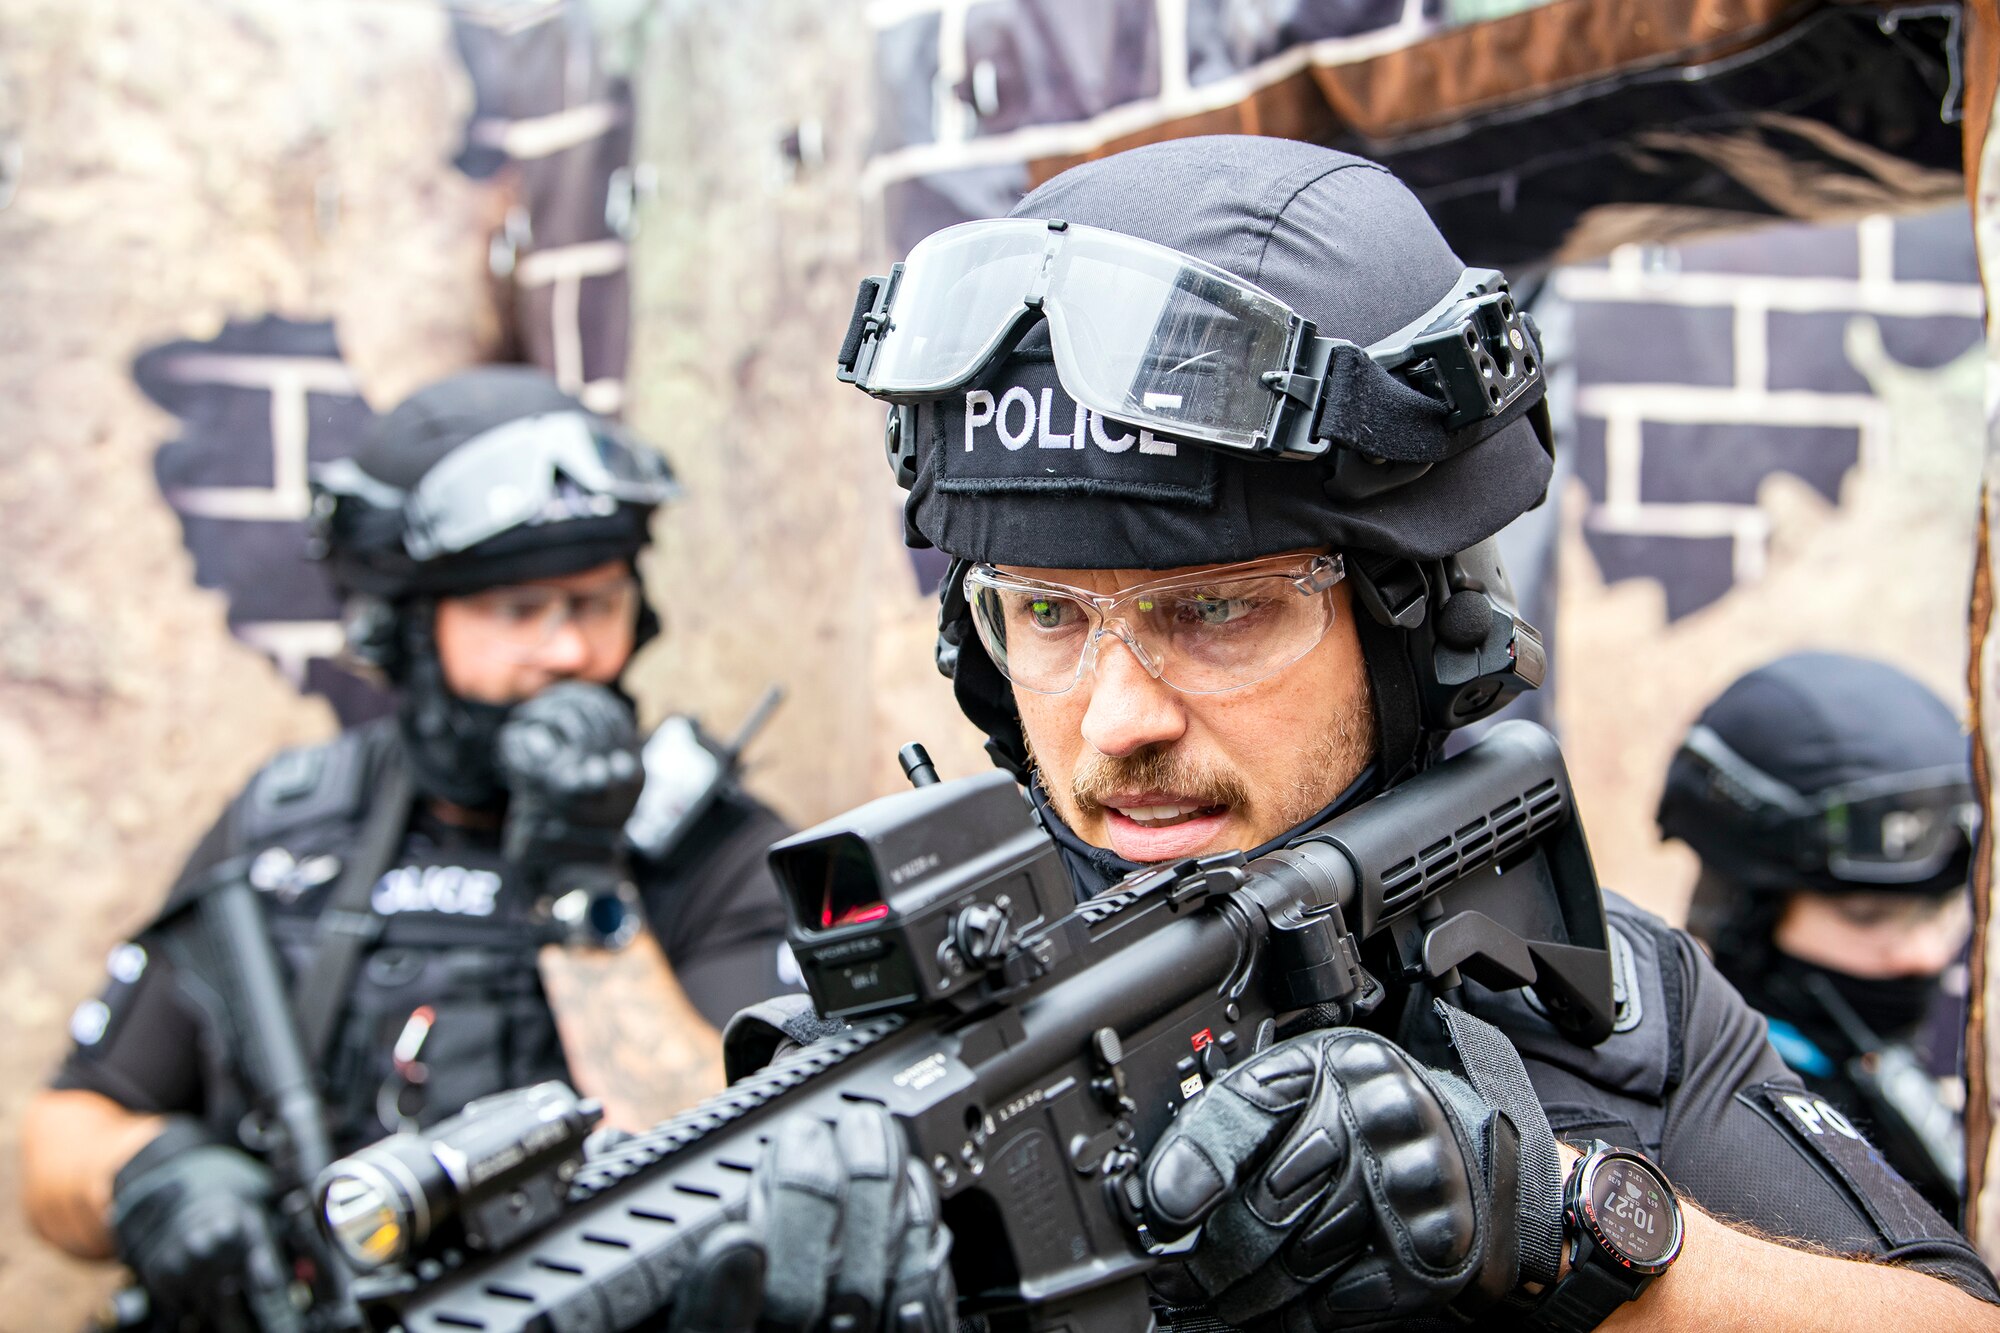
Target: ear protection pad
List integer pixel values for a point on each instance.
(1469, 648)
(373, 630)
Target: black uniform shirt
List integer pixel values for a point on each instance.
(446, 1004)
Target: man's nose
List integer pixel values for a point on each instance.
(567, 651)
(1128, 709)
(1923, 950)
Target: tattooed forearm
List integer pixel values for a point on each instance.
(632, 1038)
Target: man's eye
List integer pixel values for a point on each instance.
(1045, 613)
(1209, 610)
(518, 612)
(1866, 913)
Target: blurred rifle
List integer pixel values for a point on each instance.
(230, 945)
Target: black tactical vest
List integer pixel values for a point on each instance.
(445, 1004)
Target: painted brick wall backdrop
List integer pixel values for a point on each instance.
(1702, 370)
(1775, 443)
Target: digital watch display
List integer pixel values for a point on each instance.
(1631, 1210)
(1622, 1229)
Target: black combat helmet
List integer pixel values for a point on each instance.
(1826, 772)
(1211, 350)
(490, 477)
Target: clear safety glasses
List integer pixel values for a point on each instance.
(1201, 633)
(1146, 335)
(1900, 829)
(522, 622)
(537, 469)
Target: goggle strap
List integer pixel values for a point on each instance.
(1746, 785)
(343, 478)
(1784, 815)
(870, 312)
(1385, 401)
(1367, 410)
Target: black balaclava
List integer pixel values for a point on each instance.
(447, 739)
(1346, 245)
(1813, 721)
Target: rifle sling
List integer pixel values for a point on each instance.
(349, 923)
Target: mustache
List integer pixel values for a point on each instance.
(1154, 768)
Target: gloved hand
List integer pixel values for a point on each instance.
(570, 760)
(193, 1222)
(1338, 1184)
(843, 1233)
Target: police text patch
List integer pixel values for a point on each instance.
(1032, 436)
(1839, 1148)
(452, 890)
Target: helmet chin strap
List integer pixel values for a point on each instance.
(1402, 748)
(448, 740)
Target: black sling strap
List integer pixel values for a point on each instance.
(1494, 1068)
(349, 924)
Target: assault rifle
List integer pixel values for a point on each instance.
(1032, 1048)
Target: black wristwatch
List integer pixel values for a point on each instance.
(1622, 1226)
(598, 914)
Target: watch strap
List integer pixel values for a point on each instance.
(1586, 1297)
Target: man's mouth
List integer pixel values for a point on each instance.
(1162, 826)
(1164, 816)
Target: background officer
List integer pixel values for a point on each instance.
(418, 869)
(1214, 581)
(1830, 800)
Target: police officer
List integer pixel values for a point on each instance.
(1830, 800)
(417, 868)
(1217, 433)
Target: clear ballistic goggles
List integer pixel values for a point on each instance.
(1900, 829)
(526, 619)
(1148, 336)
(1203, 633)
(540, 469)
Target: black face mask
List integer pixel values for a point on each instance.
(448, 740)
(1890, 1008)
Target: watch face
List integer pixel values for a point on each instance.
(1633, 1210)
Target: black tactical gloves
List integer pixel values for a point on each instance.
(570, 760)
(193, 1223)
(843, 1233)
(1339, 1184)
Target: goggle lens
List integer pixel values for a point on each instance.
(1898, 835)
(959, 293)
(1186, 376)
